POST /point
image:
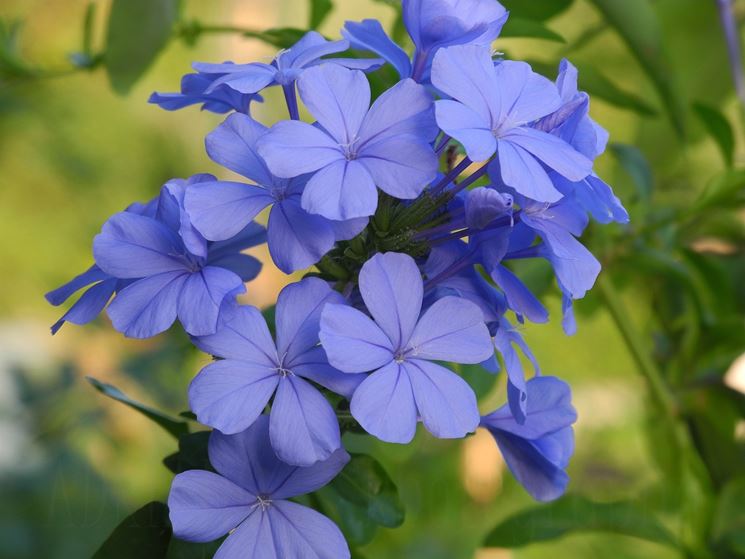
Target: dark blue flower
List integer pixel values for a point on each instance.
(219, 209)
(221, 99)
(399, 346)
(174, 271)
(248, 499)
(537, 450)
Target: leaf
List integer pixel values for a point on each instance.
(728, 525)
(319, 11)
(638, 25)
(145, 534)
(637, 166)
(138, 31)
(598, 85)
(725, 190)
(281, 37)
(192, 453)
(572, 514)
(174, 426)
(358, 528)
(366, 484)
(537, 10)
(528, 28)
(719, 129)
(478, 378)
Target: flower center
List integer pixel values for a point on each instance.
(281, 371)
(350, 149)
(263, 501)
(400, 357)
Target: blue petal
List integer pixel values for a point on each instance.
(297, 239)
(369, 35)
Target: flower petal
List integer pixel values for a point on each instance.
(553, 152)
(63, 293)
(233, 145)
(297, 239)
(384, 405)
(369, 35)
(300, 532)
(135, 246)
(202, 297)
(303, 426)
(148, 306)
(204, 506)
(251, 540)
(391, 286)
(520, 170)
(242, 334)
(466, 126)
(314, 365)
(229, 395)
(338, 98)
(401, 166)
(292, 148)
(353, 342)
(524, 95)
(342, 190)
(446, 403)
(89, 305)
(519, 298)
(298, 315)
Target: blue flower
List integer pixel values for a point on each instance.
(431, 24)
(176, 272)
(353, 149)
(231, 394)
(572, 123)
(491, 110)
(400, 347)
(220, 209)
(538, 449)
(248, 498)
(221, 99)
(286, 68)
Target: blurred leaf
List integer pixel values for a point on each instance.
(12, 64)
(319, 11)
(281, 37)
(636, 165)
(572, 514)
(637, 23)
(728, 525)
(719, 128)
(145, 534)
(352, 519)
(88, 20)
(268, 314)
(528, 28)
(597, 85)
(174, 426)
(366, 484)
(192, 453)
(725, 190)
(478, 378)
(179, 549)
(138, 31)
(537, 10)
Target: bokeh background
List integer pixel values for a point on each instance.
(72, 152)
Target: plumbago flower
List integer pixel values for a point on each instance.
(248, 498)
(412, 252)
(176, 272)
(222, 99)
(353, 149)
(231, 394)
(400, 347)
(219, 209)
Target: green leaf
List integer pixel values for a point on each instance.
(319, 11)
(537, 10)
(174, 426)
(719, 128)
(728, 526)
(366, 484)
(597, 85)
(517, 27)
(725, 190)
(358, 528)
(638, 25)
(572, 514)
(145, 534)
(636, 165)
(192, 453)
(478, 378)
(138, 31)
(281, 37)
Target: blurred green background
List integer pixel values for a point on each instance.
(72, 152)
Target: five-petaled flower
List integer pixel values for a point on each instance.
(400, 347)
(248, 498)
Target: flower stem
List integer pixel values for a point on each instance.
(291, 99)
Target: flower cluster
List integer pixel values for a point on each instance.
(406, 211)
